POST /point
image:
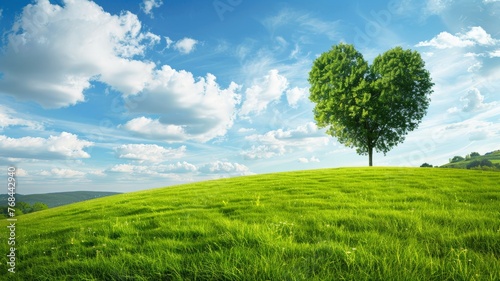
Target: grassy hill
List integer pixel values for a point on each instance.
(57, 198)
(335, 224)
(493, 156)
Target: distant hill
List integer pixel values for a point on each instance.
(493, 157)
(57, 198)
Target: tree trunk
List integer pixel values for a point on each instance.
(370, 156)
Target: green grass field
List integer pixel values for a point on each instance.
(334, 224)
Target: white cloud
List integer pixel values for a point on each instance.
(21, 172)
(475, 129)
(453, 110)
(294, 54)
(179, 167)
(194, 109)
(217, 167)
(446, 40)
(264, 151)
(7, 120)
(308, 160)
(53, 53)
(475, 67)
(225, 167)
(295, 94)
(63, 173)
(246, 130)
(301, 132)
(64, 146)
(169, 42)
(479, 35)
(474, 101)
(154, 170)
(185, 45)
(131, 169)
(265, 91)
(149, 152)
(278, 142)
(99, 173)
(148, 5)
(161, 171)
(495, 54)
(154, 129)
(475, 36)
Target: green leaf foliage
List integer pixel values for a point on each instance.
(369, 106)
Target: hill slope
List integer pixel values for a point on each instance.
(493, 157)
(57, 198)
(336, 224)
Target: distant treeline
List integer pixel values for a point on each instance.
(489, 161)
(24, 208)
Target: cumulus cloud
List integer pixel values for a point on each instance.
(474, 101)
(195, 109)
(148, 5)
(295, 94)
(475, 36)
(64, 146)
(53, 53)
(153, 129)
(149, 152)
(268, 89)
(184, 46)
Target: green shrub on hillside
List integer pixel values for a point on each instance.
(457, 159)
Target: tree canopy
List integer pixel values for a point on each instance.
(369, 106)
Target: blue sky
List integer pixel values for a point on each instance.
(130, 95)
